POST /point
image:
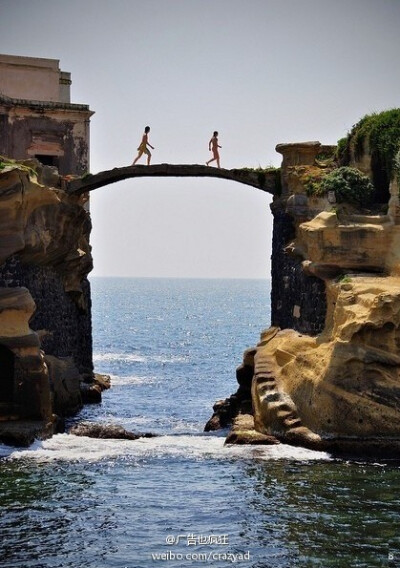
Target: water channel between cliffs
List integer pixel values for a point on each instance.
(73, 501)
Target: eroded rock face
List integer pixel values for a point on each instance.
(44, 226)
(44, 300)
(239, 403)
(65, 383)
(25, 379)
(338, 390)
(342, 383)
(326, 375)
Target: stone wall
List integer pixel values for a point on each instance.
(298, 301)
(37, 118)
(66, 328)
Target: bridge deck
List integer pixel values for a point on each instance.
(264, 180)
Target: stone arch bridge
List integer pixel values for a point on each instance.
(265, 180)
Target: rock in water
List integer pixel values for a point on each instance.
(243, 432)
(106, 431)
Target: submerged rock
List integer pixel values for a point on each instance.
(106, 431)
(243, 432)
(23, 433)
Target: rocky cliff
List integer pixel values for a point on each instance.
(45, 319)
(326, 375)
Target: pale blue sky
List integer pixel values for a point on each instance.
(258, 71)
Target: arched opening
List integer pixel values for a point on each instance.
(190, 228)
(194, 259)
(7, 378)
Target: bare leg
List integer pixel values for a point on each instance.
(215, 158)
(137, 157)
(148, 158)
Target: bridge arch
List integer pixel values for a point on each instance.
(265, 180)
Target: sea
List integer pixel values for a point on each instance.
(183, 498)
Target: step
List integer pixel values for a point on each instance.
(271, 387)
(292, 422)
(281, 405)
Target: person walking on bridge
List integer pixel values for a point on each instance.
(143, 149)
(213, 146)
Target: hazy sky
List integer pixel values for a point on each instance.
(258, 71)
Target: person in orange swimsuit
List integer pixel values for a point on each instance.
(143, 149)
(213, 146)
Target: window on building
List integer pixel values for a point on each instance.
(48, 160)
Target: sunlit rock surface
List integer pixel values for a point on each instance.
(43, 225)
(326, 374)
(339, 388)
(45, 319)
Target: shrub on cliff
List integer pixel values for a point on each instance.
(382, 132)
(350, 186)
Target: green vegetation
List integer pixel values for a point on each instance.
(5, 162)
(312, 181)
(14, 164)
(382, 132)
(326, 157)
(313, 187)
(350, 186)
(341, 149)
(344, 279)
(262, 174)
(267, 170)
(397, 166)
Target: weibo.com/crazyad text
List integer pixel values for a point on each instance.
(185, 544)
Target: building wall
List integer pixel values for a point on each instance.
(33, 78)
(61, 135)
(37, 118)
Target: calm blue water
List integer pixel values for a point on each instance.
(183, 499)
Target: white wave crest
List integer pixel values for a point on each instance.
(137, 358)
(66, 447)
(122, 357)
(117, 380)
